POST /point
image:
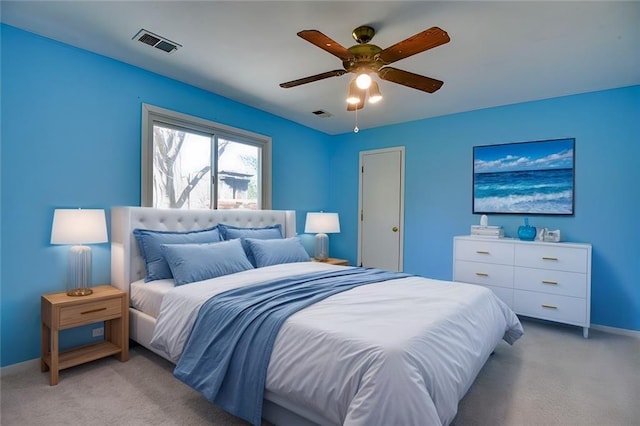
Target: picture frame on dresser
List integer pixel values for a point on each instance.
(537, 279)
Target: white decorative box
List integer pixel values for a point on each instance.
(487, 231)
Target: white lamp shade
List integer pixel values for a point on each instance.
(325, 223)
(79, 226)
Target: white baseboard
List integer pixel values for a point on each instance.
(615, 330)
(20, 367)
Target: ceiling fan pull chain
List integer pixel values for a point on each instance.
(356, 129)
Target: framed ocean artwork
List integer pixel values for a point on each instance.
(533, 178)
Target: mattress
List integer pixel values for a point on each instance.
(147, 297)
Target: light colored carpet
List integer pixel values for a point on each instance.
(552, 376)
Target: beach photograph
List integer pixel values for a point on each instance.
(524, 177)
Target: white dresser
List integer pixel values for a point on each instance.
(551, 281)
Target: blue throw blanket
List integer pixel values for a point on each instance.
(228, 351)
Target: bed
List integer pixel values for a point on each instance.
(402, 351)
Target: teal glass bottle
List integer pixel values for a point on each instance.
(526, 232)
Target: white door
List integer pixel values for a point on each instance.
(381, 202)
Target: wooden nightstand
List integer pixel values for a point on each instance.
(333, 261)
(59, 311)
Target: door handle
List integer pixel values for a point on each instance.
(394, 229)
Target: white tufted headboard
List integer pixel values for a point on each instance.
(127, 265)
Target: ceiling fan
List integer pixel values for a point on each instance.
(363, 59)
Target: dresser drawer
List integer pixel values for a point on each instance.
(566, 309)
(550, 281)
(87, 313)
(503, 293)
(483, 273)
(548, 256)
(484, 251)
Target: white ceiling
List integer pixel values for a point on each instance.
(500, 52)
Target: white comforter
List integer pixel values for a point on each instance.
(401, 352)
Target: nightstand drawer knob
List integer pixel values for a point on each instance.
(93, 310)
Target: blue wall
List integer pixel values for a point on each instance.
(71, 130)
(70, 134)
(438, 175)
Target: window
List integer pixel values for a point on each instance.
(192, 163)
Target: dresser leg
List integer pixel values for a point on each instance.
(585, 332)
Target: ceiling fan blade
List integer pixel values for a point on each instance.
(427, 39)
(410, 79)
(310, 79)
(316, 38)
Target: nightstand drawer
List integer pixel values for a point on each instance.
(87, 313)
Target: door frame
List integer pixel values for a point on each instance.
(400, 149)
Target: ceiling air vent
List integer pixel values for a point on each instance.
(321, 113)
(154, 40)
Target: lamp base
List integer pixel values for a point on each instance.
(321, 248)
(79, 272)
(79, 292)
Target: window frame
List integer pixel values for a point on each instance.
(152, 114)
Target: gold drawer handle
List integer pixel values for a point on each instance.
(482, 252)
(549, 258)
(92, 311)
(549, 306)
(482, 274)
(549, 282)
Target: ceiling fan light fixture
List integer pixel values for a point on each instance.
(374, 93)
(363, 81)
(353, 97)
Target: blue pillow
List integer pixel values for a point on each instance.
(275, 252)
(150, 242)
(230, 232)
(196, 262)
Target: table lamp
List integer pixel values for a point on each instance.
(322, 224)
(79, 227)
